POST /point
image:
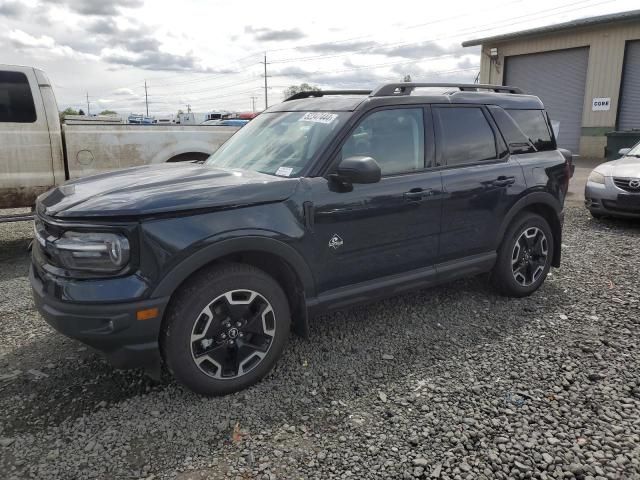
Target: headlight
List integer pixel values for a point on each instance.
(596, 177)
(97, 252)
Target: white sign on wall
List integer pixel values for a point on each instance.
(601, 104)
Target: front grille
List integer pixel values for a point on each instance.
(628, 184)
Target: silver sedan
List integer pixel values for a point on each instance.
(613, 188)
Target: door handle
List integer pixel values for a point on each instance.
(503, 181)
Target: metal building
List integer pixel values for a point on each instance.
(587, 73)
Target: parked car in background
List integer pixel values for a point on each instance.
(317, 204)
(37, 152)
(247, 115)
(613, 188)
(165, 119)
(229, 122)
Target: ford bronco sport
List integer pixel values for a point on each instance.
(327, 200)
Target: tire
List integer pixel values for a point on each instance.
(203, 346)
(596, 215)
(523, 276)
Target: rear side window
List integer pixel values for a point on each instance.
(16, 101)
(465, 135)
(533, 123)
(518, 142)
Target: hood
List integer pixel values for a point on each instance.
(628, 167)
(163, 188)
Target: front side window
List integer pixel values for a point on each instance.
(465, 135)
(279, 143)
(534, 124)
(393, 138)
(16, 101)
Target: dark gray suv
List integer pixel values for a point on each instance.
(327, 200)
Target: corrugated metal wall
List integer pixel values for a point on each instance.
(558, 78)
(629, 114)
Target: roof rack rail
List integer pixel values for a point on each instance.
(322, 93)
(405, 88)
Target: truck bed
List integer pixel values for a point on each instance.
(92, 149)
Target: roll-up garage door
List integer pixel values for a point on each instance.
(629, 112)
(558, 78)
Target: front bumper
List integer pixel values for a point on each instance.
(109, 327)
(603, 200)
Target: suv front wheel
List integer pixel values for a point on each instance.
(524, 257)
(226, 329)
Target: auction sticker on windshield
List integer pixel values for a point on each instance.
(284, 171)
(319, 117)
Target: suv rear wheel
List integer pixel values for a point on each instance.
(226, 329)
(524, 257)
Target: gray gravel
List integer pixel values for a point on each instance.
(450, 383)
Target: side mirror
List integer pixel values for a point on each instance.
(359, 170)
(623, 151)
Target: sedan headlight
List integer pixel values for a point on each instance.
(96, 252)
(596, 177)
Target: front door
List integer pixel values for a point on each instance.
(386, 228)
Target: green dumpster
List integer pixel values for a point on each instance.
(618, 140)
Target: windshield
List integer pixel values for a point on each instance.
(635, 151)
(279, 143)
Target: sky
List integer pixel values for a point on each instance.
(208, 53)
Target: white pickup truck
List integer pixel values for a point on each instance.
(38, 153)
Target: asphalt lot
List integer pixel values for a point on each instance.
(453, 382)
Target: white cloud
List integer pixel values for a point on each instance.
(25, 41)
(207, 53)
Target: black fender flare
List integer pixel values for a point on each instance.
(207, 254)
(532, 199)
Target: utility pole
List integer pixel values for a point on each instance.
(266, 99)
(253, 103)
(88, 110)
(146, 97)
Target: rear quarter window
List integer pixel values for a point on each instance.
(16, 101)
(533, 124)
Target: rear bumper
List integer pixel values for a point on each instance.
(109, 327)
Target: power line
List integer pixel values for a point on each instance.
(491, 26)
(382, 47)
(388, 45)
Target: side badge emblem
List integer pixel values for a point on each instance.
(335, 242)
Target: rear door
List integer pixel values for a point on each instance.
(25, 147)
(481, 182)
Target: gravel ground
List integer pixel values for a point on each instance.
(451, 383)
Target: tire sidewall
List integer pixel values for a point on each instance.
(177, 341)
(504, 269)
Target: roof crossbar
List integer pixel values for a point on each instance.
(405, 88)
(322, 93)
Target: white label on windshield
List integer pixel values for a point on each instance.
(319, 117)
(284, 171)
